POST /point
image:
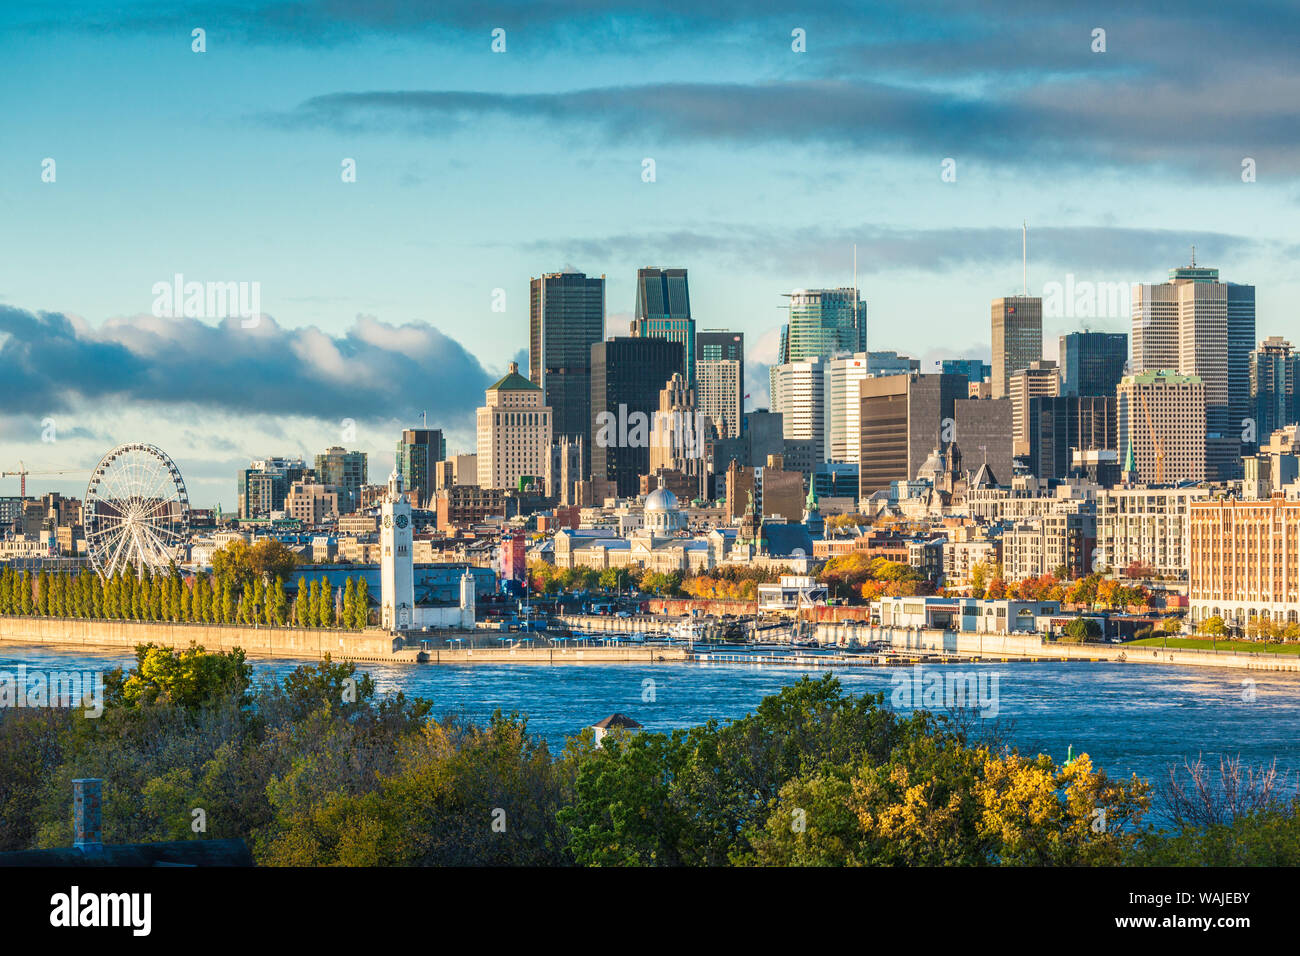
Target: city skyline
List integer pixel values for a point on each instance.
(156, 180)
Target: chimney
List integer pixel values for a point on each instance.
(87, 813)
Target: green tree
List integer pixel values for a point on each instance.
(349, 602)
(363, 604)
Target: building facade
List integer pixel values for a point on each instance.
(1161, 424)
(823, 322)
(627, 375)
(514, 433)
(1244, 561)
(663, 311)
(1017, 338)
(566, 317)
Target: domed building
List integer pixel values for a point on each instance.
(662, 516)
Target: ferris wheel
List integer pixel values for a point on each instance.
(136, 512)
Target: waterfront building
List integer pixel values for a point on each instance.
(514, 433)
(566, 317)
(1147, 525)
(1244, 560)
(1017, 338)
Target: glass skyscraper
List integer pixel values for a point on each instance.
(822, 323)
(566, 317)
(1092, 363)
(663, 311)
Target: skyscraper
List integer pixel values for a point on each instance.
(844, 406)
(1092, 363)
(1037, 379)
(906, 417)
(823, 322)
(663, 311)
(1274, 377)
(566, 317)
(1017, 338)
(720, 378)
(417, 451)
(1160, 415)
(798, 393)
(1198, 325)
(627, 375)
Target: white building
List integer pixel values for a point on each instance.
(844, 406)
(798, 393)
(717, 385)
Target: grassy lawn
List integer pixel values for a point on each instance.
(1203, 644)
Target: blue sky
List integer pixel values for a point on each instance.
(477, 170)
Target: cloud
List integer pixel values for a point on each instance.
(55, 362)
(1132, 254)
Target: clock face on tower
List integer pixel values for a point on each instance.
(403, 521)
(388, 521)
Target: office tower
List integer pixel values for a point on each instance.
(823, 322)
(975, 370)
(1274, 371)
(418, 450)
(678, 439)
(1092, 363)
(566, 317)
(1036, 380)
(1161, 417)
(1059, 426)
(843, 403)
(663, 311)
(760, 436)
(346, 470)
(265, 483)
(799, 395)
(569, 465)
(905, 418)
(720, 378)
(514, 433)
(1198, 325)
(982, 433)
(1241, 342)
(627, 375)
(1017, 338)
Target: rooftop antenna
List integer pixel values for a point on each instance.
(1193, 257)
(1024, 253)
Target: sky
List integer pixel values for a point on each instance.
(404, 293)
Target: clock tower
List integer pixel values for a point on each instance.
(396, 570)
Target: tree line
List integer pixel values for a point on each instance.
(315, 769)
(216, 598)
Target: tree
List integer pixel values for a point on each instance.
(1081, 629)
(363, 604)
(1214, 626)
(325, 610)
(302, 605)
(277, 607)
(349, 602)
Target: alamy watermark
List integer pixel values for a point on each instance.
(58, 689)
(208, 300)
(682, 433)
(1084, 299)
(946, 689)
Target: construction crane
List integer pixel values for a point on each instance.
(22, 474)
(1155, 440)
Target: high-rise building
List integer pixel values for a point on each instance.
(627, 375)
(1061, 425)
(346, 470)
(1161, 422)
(720, 378)
(1199, 325)
(823, 322)
(799, 395)
(982, 433)
(904, 418)
(417, 451)
(677, 435)
(1017, 338)
(663, 311)
(891, 363)
(265, 483)
(843, 403)
(566, 317)
(1092, 363)
(1274, 376)
(1242, 561)
(1036, 380)
(514, 433)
